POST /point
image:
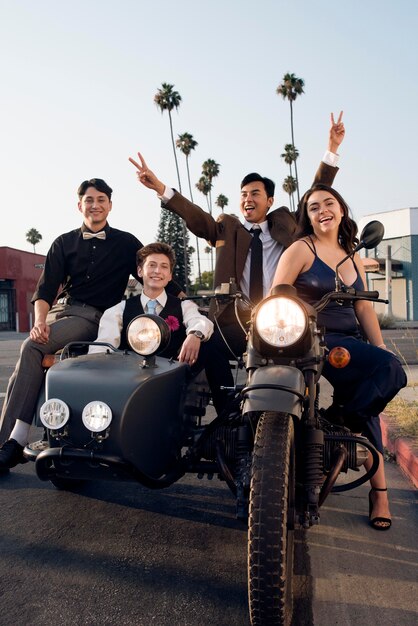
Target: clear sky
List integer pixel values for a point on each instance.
(78, 80)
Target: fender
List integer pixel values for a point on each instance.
(275, 388)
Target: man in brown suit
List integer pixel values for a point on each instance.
(232, 239)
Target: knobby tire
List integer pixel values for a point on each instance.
(271, 522)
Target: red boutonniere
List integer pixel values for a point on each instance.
(172, 322)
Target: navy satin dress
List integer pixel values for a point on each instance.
(373, 376)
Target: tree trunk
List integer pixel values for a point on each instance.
(197, 239)
(293, 144)
(185, 252)
(291, 198)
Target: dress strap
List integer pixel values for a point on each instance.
(310, 244)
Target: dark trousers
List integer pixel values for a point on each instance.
(372, 378)
(214, 357)
(67, 323)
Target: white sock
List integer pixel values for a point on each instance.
(20, 432)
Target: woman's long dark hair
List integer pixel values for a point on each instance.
(347, 232)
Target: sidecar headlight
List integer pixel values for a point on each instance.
(148, 334)
(54, 414)
(281, 322)
(96, 416)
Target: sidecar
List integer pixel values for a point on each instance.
(113, 415)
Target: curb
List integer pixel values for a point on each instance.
(402, 450)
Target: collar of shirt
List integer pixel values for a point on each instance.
(264, 226)
(161, 301)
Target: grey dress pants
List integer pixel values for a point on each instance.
(68, 323)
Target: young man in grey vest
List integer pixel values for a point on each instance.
(190, 330)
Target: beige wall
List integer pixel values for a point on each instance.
(398, 296)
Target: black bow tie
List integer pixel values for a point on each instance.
(100, 235)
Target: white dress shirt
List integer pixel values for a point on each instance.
(111, 322)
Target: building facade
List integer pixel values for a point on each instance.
(19, 274)
(397, 277)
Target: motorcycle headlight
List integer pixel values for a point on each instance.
(54, 414)
(281, 322)
(148, 334)
(96, 416)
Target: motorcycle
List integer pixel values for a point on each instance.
(133, 415)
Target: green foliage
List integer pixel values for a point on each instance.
(33, 237)
(205, 283)
(210, 169)
(185, 143)
(166, 98)
(291, 87)
(290, 154)
(221, 201)
(289, 185)
(204, 185)
(170, 230)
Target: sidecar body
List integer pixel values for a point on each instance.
(146, 402)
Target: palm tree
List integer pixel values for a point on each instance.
(289, 156)
(210, 169)
(209, 251)
(168, 99)
(221, 201)
(290, 89)
(204, 186)
(185, 143)
(289, 186)
(33, 237)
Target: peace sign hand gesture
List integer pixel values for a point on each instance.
(336, 133)
(146, 176)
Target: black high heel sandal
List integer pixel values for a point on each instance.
(378, 523)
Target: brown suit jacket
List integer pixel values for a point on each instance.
(230, 238)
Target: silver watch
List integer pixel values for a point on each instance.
(198, 334)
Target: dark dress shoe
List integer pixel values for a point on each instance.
(11, 454)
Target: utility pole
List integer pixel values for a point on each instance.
(388, 281)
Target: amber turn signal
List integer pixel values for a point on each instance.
(339, 357)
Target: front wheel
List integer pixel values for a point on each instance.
(271, 521)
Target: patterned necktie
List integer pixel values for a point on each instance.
(256, 267)
(100, 235)
(152, 307)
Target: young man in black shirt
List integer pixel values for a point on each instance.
(92, 264)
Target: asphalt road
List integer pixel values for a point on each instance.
(120, 554)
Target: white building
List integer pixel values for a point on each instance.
(397, 278)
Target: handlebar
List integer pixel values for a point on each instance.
(222, 297)
(349, 294)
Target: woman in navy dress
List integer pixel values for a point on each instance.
(374, 375)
